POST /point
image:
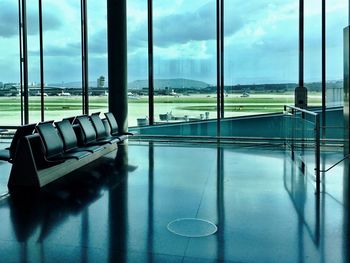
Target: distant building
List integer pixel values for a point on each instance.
(9, 89)
(101, 82)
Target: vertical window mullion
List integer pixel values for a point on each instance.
(301, 43)
(150, 64)
(84, 58)
(21, 56)
(42, 83)
(24, 61)
(218, 68)
(323, 67)
(222, 85)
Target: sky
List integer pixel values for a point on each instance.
(261, 40)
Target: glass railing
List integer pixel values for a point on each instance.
(302, 137)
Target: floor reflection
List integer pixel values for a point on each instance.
(220, 203)
(35, 216)
(306, 204)
(117, 210)
(346, 216)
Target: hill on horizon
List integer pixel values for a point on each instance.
(169, 83)
(139, 84)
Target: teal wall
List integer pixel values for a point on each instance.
(262, 126)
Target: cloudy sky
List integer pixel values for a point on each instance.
(261, 40)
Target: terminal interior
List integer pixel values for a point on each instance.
(154, 131)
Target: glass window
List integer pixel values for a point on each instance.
(97, 45)
(10, 99)
(184, 60)
(33, 61)
(261, 55)
(313, 51)
(336, 21)
(137, 22)
(62, 58)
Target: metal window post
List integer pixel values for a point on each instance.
(324, 69)
(20, 57)
(301, 43)
(84, 58)
(42, 83)
(218, 67)
(24, 61)
(222, 80)
(150, 63)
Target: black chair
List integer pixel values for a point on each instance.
(114, 127)
(87, 132)
(100, 129)
(53, 144)
(70, 119)
(9, 153)
(69, 138)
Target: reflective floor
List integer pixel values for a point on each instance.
(118, 209)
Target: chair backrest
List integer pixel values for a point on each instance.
(67, 133)
(70, 119)
(100, 129)
(21, 131)
(87, 128)
(112, 123)
(52, 142)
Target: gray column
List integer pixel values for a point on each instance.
(346, 89)
(117, 62)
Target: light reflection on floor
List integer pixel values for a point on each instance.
(117, 210)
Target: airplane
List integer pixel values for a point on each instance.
(173, 93)
(64, 94)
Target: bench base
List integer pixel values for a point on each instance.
(29, 170)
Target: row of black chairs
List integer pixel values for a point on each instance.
(44, 152)
(73, 137)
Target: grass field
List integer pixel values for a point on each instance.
(193, 106)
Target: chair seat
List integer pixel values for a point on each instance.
(91, 148)
(5, 155)
(110, 140)
(71, 155)
(114, 139)
(76, 154)
(122, 137)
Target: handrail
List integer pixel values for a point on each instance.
(338, 127)
(206, 137)
(334, 165)
(300, 109)
(4, 195)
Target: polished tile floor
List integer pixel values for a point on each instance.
(118, 209)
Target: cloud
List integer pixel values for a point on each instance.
(98, 42)
(10, 71)
(271, 26)
(178, 26)
(51, 21)
(8, 19)
(137, 31)
(199, 25)
(97, 45)
(64, 69)
(67, 50)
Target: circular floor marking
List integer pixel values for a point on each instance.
(192, 227)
